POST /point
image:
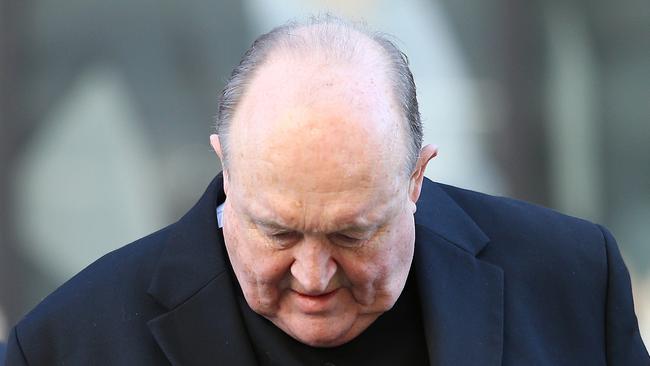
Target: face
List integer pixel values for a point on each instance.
(318, 220)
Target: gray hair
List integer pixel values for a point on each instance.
(334, 36)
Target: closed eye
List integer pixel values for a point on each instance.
(346, 240)
(285, 238)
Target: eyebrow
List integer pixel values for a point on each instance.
(278, 226)
(270, 224)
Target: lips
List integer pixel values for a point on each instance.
(315, 304)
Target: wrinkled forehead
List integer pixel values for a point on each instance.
(315, 194)
(311, 165)
(360, 210)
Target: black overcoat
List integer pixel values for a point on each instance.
(502, 282)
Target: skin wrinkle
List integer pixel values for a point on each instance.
(317, 163)
(345, 220)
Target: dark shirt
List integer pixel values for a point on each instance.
(395, 338)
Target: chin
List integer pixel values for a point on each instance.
(322, 340)
(320, 332)
(323, 332)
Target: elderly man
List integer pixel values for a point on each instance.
(323, 244)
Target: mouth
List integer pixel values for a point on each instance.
(315, 304)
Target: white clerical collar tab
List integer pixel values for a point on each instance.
(220, 215)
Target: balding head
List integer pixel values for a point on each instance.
(322, 41)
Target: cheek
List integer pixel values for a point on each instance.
(377, 274)
(385, 266)
(260, 271)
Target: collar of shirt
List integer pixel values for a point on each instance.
(220, 215)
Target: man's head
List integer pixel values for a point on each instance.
(317, 142)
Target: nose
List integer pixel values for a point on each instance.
(313, 267)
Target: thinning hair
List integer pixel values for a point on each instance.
(335, 38)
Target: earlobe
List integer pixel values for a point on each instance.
(226, 182)
(415, 185)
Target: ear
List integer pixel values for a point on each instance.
(216, 146)
(415, 184)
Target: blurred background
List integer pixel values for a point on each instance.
(106, 108)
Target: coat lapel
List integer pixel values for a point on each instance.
(203, 324)
(462, 296)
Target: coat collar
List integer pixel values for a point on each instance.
(439, 213)
(203, 325)
(462, 296)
